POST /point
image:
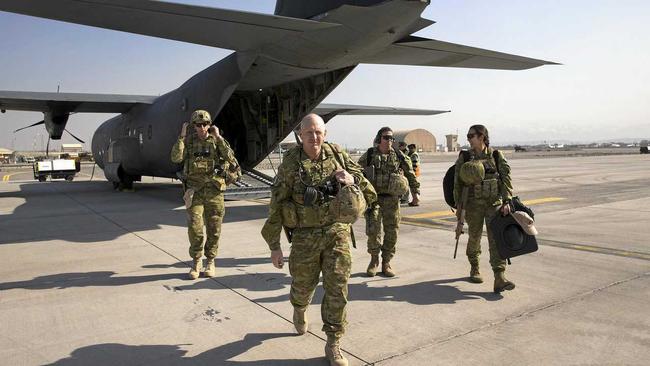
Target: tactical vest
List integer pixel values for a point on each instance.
(327, 209)
(488, 189)
(203, 163)
(385, 174)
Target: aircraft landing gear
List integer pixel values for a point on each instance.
(125, 184)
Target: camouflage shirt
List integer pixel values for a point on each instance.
(385, 164)
(501, 181)
(200, 158)
(295, 174)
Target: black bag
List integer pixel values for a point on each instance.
(448, 180)
(511, 240)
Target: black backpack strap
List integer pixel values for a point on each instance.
(465, 154)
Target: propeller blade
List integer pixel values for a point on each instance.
(75, 137)
(47, 148)
(35, 124)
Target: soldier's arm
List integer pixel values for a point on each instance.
(505, 181)
(178, 151)
(224, 149)
(280, 191)
(356, 171)
(363, 160)
(407, 167)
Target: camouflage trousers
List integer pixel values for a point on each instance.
(388, 217)
(326, 250)
(207, 208)
(477, 213)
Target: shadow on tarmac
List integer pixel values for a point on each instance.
(89, 212)
(109, 354)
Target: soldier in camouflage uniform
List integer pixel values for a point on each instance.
(204, 154)
(391, 174)
(415, 162)
(319, 242)
(485, 199)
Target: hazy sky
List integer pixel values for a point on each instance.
(601, 91)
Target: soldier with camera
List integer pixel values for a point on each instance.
(317, 194)
(209, 164)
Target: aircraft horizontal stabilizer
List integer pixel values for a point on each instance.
(235, 30)
(329, 111)
(70, 102)
(419, 51)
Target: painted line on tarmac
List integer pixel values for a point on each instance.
(7, 176)
(448, 213)
(451, 225)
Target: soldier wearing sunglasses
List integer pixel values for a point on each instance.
(392, 176)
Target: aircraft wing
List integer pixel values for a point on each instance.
(70, 102)
(235, 30)
(329, 111)
(419, 51)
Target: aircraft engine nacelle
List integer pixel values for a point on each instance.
(55, 123)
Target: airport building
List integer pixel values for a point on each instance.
(7, 156)
(452, 143)
(72, 150)
(423, 139)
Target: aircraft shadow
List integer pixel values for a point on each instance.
(90, 212)
(109, 354)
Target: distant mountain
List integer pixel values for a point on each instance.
(625, 140)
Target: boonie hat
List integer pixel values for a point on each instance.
(201, 116)
(525, 221)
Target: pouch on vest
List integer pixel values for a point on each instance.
(289, 214)
(398, 184)
(348, 205)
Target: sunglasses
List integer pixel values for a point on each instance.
(201, 124)
(388, 138)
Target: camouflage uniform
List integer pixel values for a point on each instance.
(387, 211)
(200, 158)
(415, 162)
(483, 203)
(319, 242)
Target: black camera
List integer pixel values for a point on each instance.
(313, 194)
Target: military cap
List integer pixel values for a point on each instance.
(472, 172)
(510, 237)
(200, 116)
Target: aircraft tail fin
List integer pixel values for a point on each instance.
(223, 28)
(419, 51)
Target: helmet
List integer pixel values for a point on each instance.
(472, 172)
(201, 116)
(348, 205)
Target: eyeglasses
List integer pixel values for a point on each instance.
(388, 138)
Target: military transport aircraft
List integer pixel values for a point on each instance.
(283, 66)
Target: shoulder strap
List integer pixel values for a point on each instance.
(465, 155)
(495, 156)
(369, 155)
(337, 155)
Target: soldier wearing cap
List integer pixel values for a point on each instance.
(205, 155)
(391, 174)
(320, 234)
(489, 190)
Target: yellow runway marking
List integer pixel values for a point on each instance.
(448, 213)
(7, 176)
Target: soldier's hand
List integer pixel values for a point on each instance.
(344, 177)
(214, 131)
(505, 210)
(277, 258)
(184, 129)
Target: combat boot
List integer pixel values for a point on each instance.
(210, 270)
(300, 320)
(333, 352)
(475, 275)
(373, 267)
(501, 283)
(386, 269)
(196, 269)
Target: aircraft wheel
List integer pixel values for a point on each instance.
(42, 178)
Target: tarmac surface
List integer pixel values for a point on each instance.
(91, 276)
